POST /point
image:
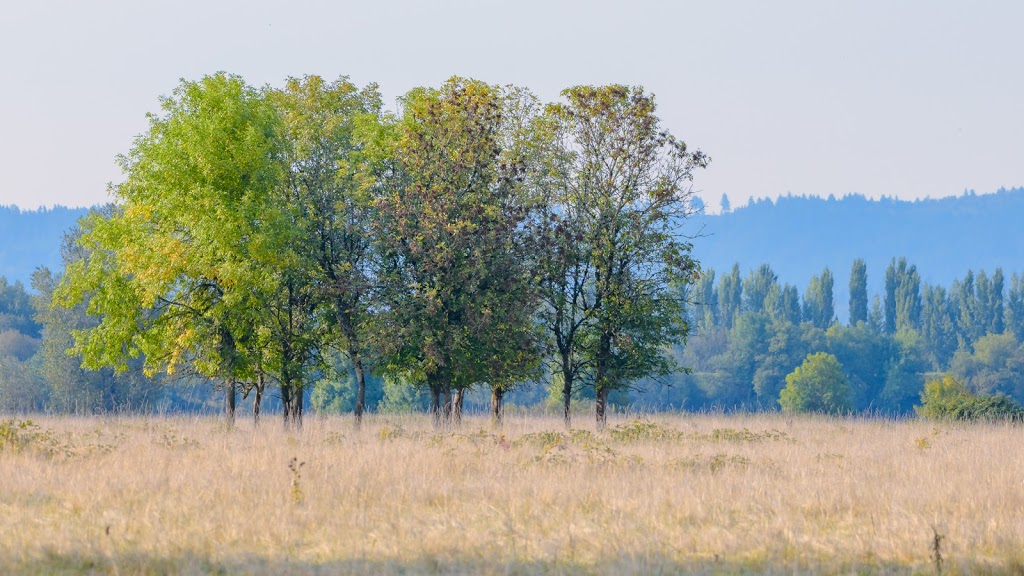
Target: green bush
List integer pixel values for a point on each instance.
(817, 385)
(949, 399)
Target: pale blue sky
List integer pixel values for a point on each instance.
(906, 99)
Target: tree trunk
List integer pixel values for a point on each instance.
(497, 410)
(286, 404)
(230, 392)
(457, 397)
(435, 405)
(600, 408)
(357, 366)
(604, 352)
(297, 407)
(447, 405)
(567, 391)
(257, 400)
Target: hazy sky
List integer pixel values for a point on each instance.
(907, 99)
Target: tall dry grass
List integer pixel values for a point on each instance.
(667, 494)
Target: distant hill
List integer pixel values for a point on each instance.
(799, 236)
(32, 238)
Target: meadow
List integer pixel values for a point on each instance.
(658, 494)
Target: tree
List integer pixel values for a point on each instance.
(726, 205)
(784, 354)
(902, 296)
(331, 184)
(707, 300)
(456, 293)
(819, 308)
(187, 269)
(756, 288)
(1015, 307)
(632, 179)
(938, 326)
(858, 292)
(817, 385)
(862, 353)
(730, 296)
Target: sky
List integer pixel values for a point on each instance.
(907, 99)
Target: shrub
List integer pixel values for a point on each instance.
(817, 385)
(949, 399)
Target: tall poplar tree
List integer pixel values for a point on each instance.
(858, 292)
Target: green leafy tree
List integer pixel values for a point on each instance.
(706, 300)
(938, 326)
(907, 362)
(858, 292)
(817, 385)
(632, 177)
(456, 291)
(189, 267)
(332, 185)
(819, 306)
(862, 353)
(757, 287)
(730, 296)
(786, 350)
(1015, 307)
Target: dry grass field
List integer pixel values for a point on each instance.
(655, 495)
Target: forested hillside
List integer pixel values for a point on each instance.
(31, 238)
(798, 236)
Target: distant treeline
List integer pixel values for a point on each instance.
(752, 331)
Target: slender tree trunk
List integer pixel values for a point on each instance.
(604, 352)
(286, 404)
(497, 410)
(230, 391)
(257, 400)
(447, 405)
(457, 395)
(297, 393)
(567, 391)
(601, 407)
(357, 365)
(435, 405)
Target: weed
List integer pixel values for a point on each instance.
(743, 435)
(937, 550)
(545, 440)
(643, 430)
(710, 464)
(390, 432)
(922, 443)
(25, 435)
(296, 467)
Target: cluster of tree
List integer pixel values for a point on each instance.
(753, 331)
(280, 237)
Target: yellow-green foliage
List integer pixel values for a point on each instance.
(948, 399)
(817, 385)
